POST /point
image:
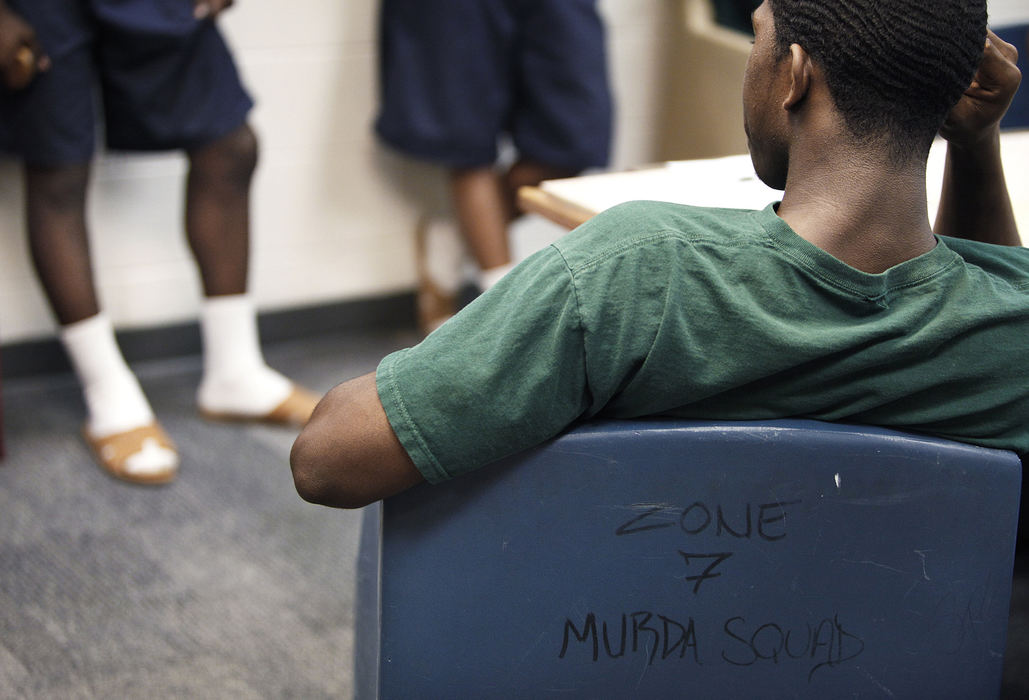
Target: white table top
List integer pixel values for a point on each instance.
(731, 182)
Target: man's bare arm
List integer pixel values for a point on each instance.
(974, 202)
(348, 456)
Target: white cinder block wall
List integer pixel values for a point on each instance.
(333, 213)
(1008, 12)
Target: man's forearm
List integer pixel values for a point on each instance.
(975, 203)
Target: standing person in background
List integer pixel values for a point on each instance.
(735, 14)
(167, 81)
(456, 76)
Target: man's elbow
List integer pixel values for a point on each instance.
(323, 478)
(347, 455)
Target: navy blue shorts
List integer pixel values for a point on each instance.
(458, 74)
(166, 81)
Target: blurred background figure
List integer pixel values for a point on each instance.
(735, 14)
(167, 81)
(459, 77)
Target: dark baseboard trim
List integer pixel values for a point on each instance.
(35, 357)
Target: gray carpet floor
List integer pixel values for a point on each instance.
(222, 585)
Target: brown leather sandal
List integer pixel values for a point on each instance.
(113, 453)
(295, 410)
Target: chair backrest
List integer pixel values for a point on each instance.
(685, 559)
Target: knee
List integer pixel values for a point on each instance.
(232, 157)
(240, 150)
(57, 188)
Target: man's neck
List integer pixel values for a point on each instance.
(864, 211)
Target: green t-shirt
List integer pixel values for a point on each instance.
(661, 309)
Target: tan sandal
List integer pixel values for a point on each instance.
(113, 453)
(294, 411)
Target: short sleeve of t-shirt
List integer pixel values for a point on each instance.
(568, 334)
(506, 373)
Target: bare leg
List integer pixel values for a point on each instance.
(482, 215)
(485, 203)
(55, 208)
(118, 410)
(237, 384)
(218, 210)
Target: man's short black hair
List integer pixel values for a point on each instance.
(893, 67)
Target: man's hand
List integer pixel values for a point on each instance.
(206, 9)
(974, 203)
(977, 114)
(21, 56)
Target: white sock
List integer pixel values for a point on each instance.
(488, 278)
(236, 379)
(114, 399)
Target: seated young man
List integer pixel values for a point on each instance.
(838, 303)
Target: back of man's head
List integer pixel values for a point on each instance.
(894, 67)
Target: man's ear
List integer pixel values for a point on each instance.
(800, 77)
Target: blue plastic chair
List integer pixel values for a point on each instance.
(691, 559)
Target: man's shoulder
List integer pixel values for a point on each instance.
(645, 225)
(652, 214)
(1008, 262)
